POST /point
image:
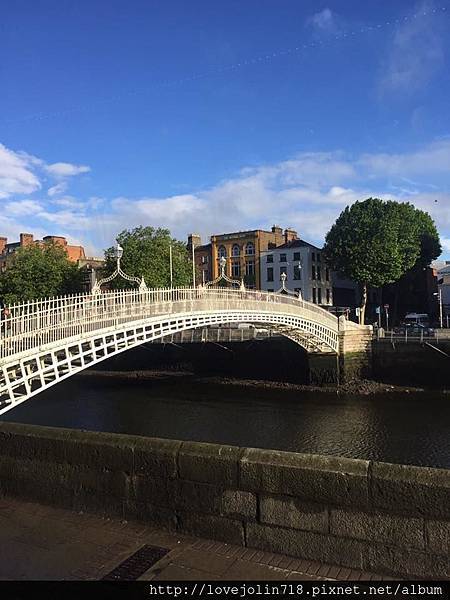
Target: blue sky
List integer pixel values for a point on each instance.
(217, 116)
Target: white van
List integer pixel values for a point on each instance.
(417, 319)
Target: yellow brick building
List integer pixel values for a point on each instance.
(242, 251)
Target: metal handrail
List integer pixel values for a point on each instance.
(37, 323)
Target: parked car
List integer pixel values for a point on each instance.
(414, 330)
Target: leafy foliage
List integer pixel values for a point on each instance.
(374, 242)
(146, 253)
(39, 271)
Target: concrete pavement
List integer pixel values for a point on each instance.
(45, 543)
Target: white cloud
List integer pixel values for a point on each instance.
(22, 173)
(415, 53)
(62, 169)
(445, 244)
(428, 160)
(307, 192)
(16, 173)
(324, 21)
(19, 208)
(59, 188)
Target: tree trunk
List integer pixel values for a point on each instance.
(362, 311)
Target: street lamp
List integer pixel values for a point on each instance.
(439, 298)
(117, 254)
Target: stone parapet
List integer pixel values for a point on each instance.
(380, 517)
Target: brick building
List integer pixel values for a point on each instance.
(242, 251)
(7, 250)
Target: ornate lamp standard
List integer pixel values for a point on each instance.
(118, 253)
(283, 289)
(224, 277)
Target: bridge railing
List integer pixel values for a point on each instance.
(37, 323)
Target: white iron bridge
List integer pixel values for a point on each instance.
(44, 342)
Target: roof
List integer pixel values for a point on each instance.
(295, 244)
(202, 247)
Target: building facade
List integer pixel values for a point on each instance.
(7, 250)
(242, 251)
(306, 271)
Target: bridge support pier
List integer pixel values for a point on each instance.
(354, 360)
(355, 351)
(323, 368)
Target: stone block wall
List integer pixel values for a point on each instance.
(392, 519)
(355, 351)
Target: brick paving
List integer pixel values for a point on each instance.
(45, 543)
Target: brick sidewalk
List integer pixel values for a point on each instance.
(44, 543)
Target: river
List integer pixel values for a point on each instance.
(409, 428)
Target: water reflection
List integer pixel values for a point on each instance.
(403, 428)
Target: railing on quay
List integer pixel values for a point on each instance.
(37, 323)
(405, 337)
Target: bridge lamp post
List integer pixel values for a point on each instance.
(117, 254)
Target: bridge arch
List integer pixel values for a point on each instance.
(45, 342)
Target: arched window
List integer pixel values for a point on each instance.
(236, 251)
(222, 252)
(250, 248)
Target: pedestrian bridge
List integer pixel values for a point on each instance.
(44, 342)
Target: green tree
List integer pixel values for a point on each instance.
(146, 253)
(374, 242)
(39, 272)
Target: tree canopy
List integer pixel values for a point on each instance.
(146, 253)
(374, 242)
(39, 271)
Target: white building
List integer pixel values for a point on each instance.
(443, 282)
(305, 270)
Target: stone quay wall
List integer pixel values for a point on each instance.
(386, 518)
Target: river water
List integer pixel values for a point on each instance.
(409, 428)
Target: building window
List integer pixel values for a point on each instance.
(319, 295)
(318, 257)
(328, 296)
(314, 295)
(283, 270)
(204, 260)
(222, 252)
(314, 256)
(269, 258)
(236, 251)
(297, 272)
(235, 268)
(269, 273)
(327, 274)
(282, 257)
(318, 273)
(270, 290)
(205, 276)
(296, 255)
(313, 271)
(250, 249)
(250, 267)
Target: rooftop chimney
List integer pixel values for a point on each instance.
(277, 229)
(289, 235)
(195, 240)
(26, 239)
